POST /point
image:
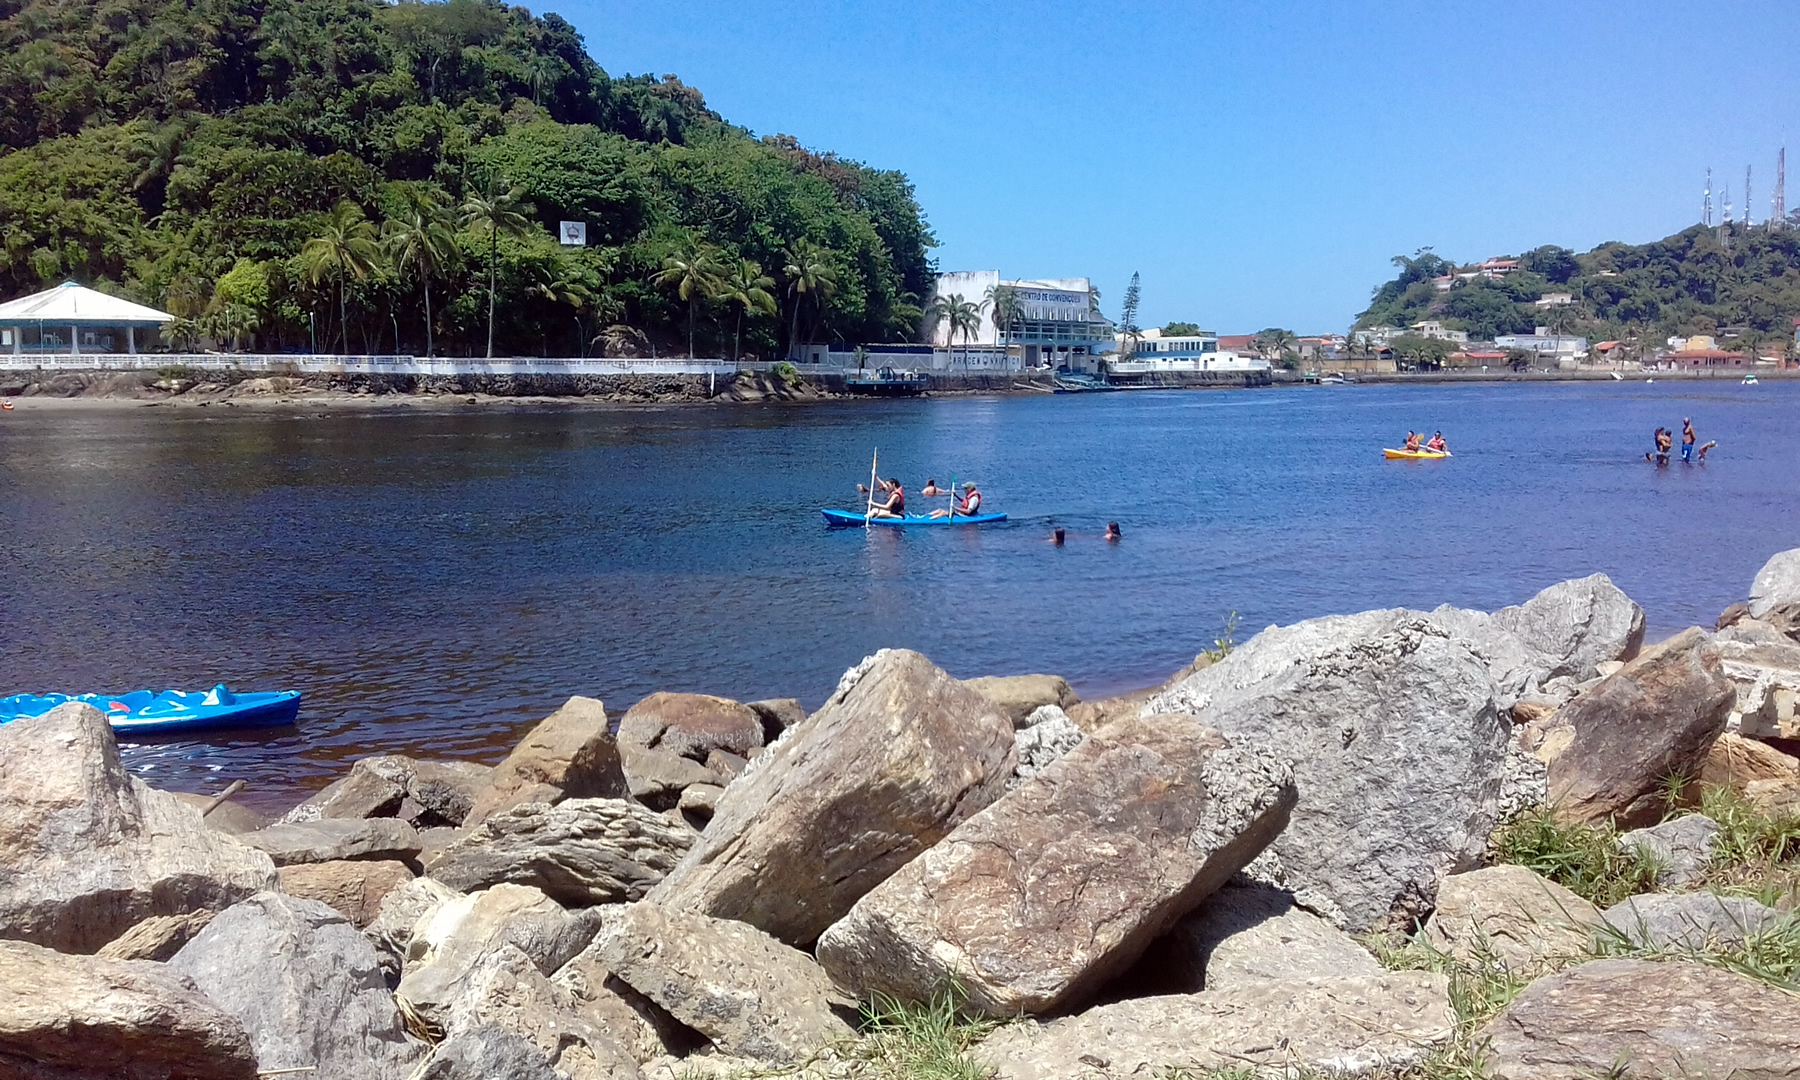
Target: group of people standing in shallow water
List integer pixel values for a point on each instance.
(889, 499)
(1665, 444)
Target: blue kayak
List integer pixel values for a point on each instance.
(151, 712)
(848, 517)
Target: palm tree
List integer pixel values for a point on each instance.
(808, 270)
(958, 315)
(1006, 306)
(747, 287)
(425, 241)
(345, 249)
(494, 212)
(694, 272)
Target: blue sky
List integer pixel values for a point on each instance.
(1257, 162)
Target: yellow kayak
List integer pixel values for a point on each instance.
(1414, 455)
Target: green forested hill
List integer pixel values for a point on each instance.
(1698, 281)
(185, 152)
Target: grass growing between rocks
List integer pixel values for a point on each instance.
(905, 1041)
(1585, 859)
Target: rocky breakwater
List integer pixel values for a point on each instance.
(1275, 861)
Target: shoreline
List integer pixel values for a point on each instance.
(32, 390)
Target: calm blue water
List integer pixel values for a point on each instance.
(436, 580)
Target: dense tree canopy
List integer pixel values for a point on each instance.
(156, 148)
(1699, 281)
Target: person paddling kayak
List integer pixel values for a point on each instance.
(895, 506)
(968, 504)
(1412, 441)
(1438, 444)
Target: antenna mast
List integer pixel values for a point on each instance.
(1706, 207)
(1747, 202)
(1725, 199)
(1778, 218)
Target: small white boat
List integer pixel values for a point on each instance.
(1749, 380)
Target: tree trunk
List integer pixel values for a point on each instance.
(426, 280)
(794, 334)
(493, 267)
(737, 339)
(343, 320)
(692, 302)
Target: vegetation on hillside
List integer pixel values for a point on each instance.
(275, 170)
(1698, 281)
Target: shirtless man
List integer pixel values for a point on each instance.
(931, 489)
(1688, 439)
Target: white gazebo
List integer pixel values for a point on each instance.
(91, 320)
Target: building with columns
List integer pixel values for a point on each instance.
(72, 319)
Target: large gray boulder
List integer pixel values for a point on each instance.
(1689, 921)
(354, 888)
(1775, 594)
(897, 757)
(751, 995)
(669, 742)
(426, 793)
(1641, 1020)
(87, 851)
(1399, 756)
(305, 984)
(570, 754)
(644, 1028)
(157, 938)
(1512, 915)
(1244, 935)
(1048, 734)
(68, 1017)
(402, 911)
(1577, 625)
(453, 939)
(1352, 1025)
(1764, 667)
(1626, 737)
(579, 852)
(1682, 847)
(1035, 903)
(507, 990)
(488, 1052)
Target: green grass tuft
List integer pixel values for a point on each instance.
(1585, 859)
(929, 1041)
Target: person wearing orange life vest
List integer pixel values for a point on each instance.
(1438, 444)
(968, 504)
(895, 506)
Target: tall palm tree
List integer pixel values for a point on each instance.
(493, 211)
(959, 316)
(345, 249)
(1008, 309)
(694, 272)
(749, 288)
(423, 240)
(808, 271)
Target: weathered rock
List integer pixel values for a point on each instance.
(641, 1026)
(488, 1052)
(231, 818)
(1510, 914)
(1764, 668)
(441, 791)
(1775, 594)
(331, 839)
(1399, 756)
(899, 755)
(305, 985)
(1640, 1020)
(1338, 1026)
(1734, 762)
(691, 725)
(657, 779)
(569, 755)
(1689, 920)
(1653, 720)
(354, 888)
(1578, 624)
(454, 937)
(1094, 715)
(95, 850)
(702, 798)
(1035, 903)
(1240, 936)
(402, 911)
(1049, 735)
(777, 715)
(1018, 696)
(582, 851)
(748, 993)
(1681, 847)
(1732, 614)
(156, 938)
(68, 1017)
(505, 989)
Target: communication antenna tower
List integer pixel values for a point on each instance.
(1706, 207)
(1778, 205)
(1747, 202)
(1725, 200)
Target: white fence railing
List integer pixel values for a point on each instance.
(281, 363)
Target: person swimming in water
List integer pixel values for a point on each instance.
(1112, 532)
(931, 489)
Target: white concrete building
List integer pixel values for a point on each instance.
(1155, 353)
(1055, 321)
(1545, 344)
(74, 319)
(1431, 328)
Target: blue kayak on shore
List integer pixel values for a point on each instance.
(153, 712)
(849, 517)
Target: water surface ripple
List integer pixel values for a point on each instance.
(436, 580)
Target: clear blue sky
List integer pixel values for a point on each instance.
(1258, 162)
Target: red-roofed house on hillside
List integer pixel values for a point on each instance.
(1701, 359)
